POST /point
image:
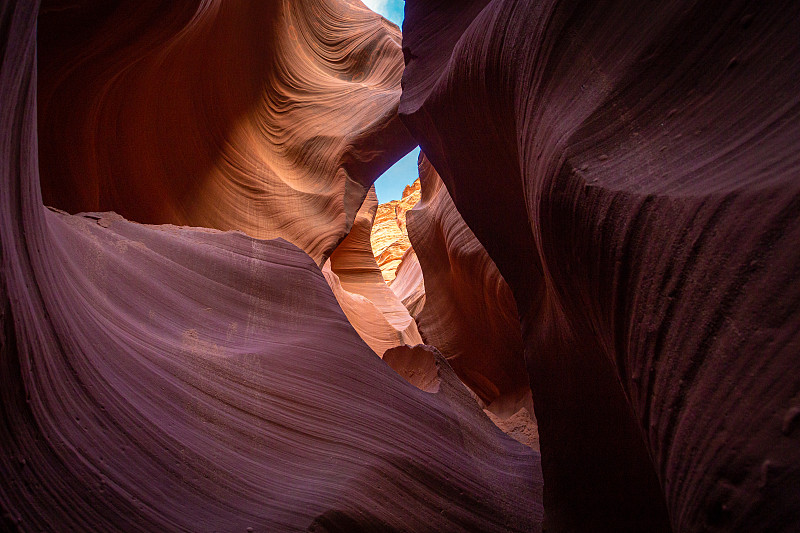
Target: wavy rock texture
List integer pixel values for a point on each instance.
(635, 182)
(411, 196)
(270, 117)
(426, 368)
(389, 234)
(157, 378)
(409, 284)
(376, 313)
(469, 314)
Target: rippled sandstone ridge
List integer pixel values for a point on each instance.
(270, 117)
(195, 334)
(467, 311)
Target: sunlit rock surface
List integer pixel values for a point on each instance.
(271, 117)
(630, 170)
(469, 312)
(389, 234)
(374, 310)
(409, 283)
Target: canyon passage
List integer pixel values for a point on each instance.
(582, 314)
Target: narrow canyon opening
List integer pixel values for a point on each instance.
(243, 161)
(211, 320)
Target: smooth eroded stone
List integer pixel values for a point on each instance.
(160, 378)
(632, 170)
(270, 117)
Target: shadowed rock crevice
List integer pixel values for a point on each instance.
(467, 311)
(372, 307)
(634, 181)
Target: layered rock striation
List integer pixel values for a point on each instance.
(389, 235)
(632, 172)
(409, 283)
(612, 224)
(374, 310)
(269, 117)
(164, 378)
(469, 313)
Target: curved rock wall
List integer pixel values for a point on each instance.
(409, 284)
(389, 235)
(158, 378)
(269, 117)
(632, 171)
(374, 310)
(469, 313)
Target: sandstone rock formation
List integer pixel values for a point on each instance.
(389, 234)
(469, 313)
(374, 310)
(471, 317)
(271, 117)
(159, 378)
(520, 425)
(409, 284)
(629, 170)
(420, 365)
(634, 179)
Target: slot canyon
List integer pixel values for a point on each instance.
(582, 314)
